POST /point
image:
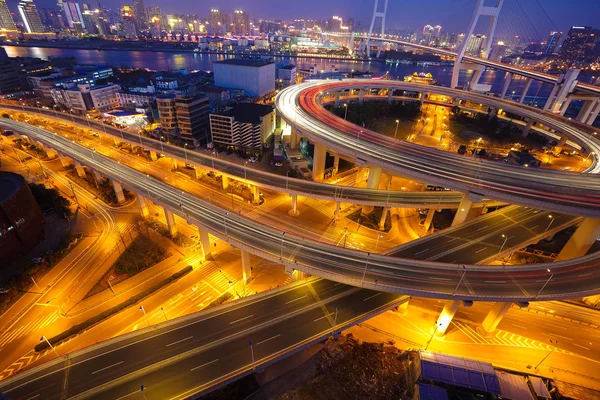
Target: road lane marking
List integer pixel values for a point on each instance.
(241, 319)
(324, 316)
(179, 341)
(582, 275)
(433, 278)
(266, 340)
(299, 298)
(204, 365)
(370, 297)
(555, 335)
(482, 228)
(519, 326)
(575, 344)
(421, 252)
(452, 240)
(105, 368)
(34, 397)
(480, 250)
(495, 281)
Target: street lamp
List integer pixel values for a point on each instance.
(162, 148)
(334, 320)
(346, 111)
(477, 146)
(435, 327)
(225, 223)
(461, 279)
(554, 342)
(185, 152)
(503, 243)
(245, 171)
(545, 283)
(396, 133)
(549, 224)
(365, 271)
(145, 315)
(45, 339)
(377, 242)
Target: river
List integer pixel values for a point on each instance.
(161, 61)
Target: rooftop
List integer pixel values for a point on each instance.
(248, 112)
(246, 62)
(9, 185)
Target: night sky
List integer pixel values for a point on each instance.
(453, 15)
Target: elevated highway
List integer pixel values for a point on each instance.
(569, 279)
(577, 194)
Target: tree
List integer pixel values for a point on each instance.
(456, 110)
(462, 149)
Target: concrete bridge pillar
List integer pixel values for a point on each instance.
(582, 240)
(422, 98)
(118, 192)
(294, 138)
(153, 155)
(80, 170)
(205, 241)
(429, 219)
(565, 106)
(390, 96)
(507, 81)
(294, 210)
(589, 112)
(319, 157)
(463, 210)
(384, 215)
(561, 143)
(564, 86)
(225, 181)
(527, 128)
(336, 164)
(443, 321)
(97, 177)
(294, 273)
(337, 99)
(143, 205)
(197, 172)
(175, 163)
(65, 161)
(372, 183)
(493, 318)
(361, 96)
(171, 225)
(525, 90)
(246, 266)
(255, 194)
(336, 213)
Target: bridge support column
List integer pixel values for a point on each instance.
(79, 169)
(143, 205)
(582, 240)
(118, 192)
(493, 318)
(255, 194)
(525, 90)
(246, 266)
(390, 96)
(205, 241)
(564, 86)
(97, 177)
(197, 172)
(336, 213)
(507, 81)
(171, 222)
(443, 321)
(565, 106)
(561, 143)
(372, 183)
(319, 157)
(51, 153)
(527, 128)
(65, 161)
(225, 181)
(175, 163)
(384, 215)
(294, 138)
(429, 219)
(337, 99)
(361, 96)
(336, 164)
(589, 112)
(422, 98)
(295, 274)
(294, 211)
(153, 155)
(463, 210)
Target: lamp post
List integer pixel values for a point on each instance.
(225, 223)
(334, 320)
(545, 283)
(252, 353)
(185, 152)
(477, 146)
(281, 252)
(45, 339)
(550, 223)
(246, 169)
(377, 242)
(503, 243)
(162, 148)
(164, 313)
(287, 180)
(461, 279)
(554, 342)
(142, 309)
(435, 326)
(365, 271)
(346, 111)
(396, 132)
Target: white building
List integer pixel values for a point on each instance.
(135, 99)
(256, 77)
(287, 74)
(247, 126)
(83, 97)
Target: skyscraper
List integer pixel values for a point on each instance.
(30, 16)
(141, 17)
(580, 44)
(6, 20)
(129, 24)
(475, 45)
(552, 43)
(241, 23)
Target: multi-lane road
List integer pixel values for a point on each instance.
(557, 191)
(200, 351)
(569, 279)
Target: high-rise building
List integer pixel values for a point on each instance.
(6, 20)
(129, 22)
(141, 18)
(581, 44)
(74, 16)
(427, 30)
(30, 16)
(437, 30)
(192, 118)
(552, 43)
(475, 45)
(241, 23)
(155, 21)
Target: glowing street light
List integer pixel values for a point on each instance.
(396, 133)
(549, 224)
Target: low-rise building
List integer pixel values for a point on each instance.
(84, 97)
(131, 100)
(522, 158)
(185, 117)
(247, 127)
(286, 74)
(217, 96)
